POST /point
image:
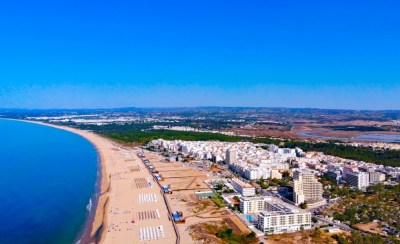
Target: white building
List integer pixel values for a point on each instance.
(244, 158)
(243, 188)
(252, 204)
(359, 180)
(306, 188)
(231, 156)
(275, 174)
(376, 177)
(274, 215)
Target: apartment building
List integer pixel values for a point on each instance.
(306, 188)
(231, 156)
(376, 177)
(348, 169)
(274, 215)
(283, 220)
(243, 188)
(359, 180)
(250, 205)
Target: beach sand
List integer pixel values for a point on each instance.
(130, 207)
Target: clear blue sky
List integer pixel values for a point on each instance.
(75, 54)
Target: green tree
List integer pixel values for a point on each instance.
(340, 239)
(316, 234)
(303, 205)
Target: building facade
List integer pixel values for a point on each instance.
(231, 156)
(376, 177)
(275, 215)
(359, 180)
(243, 188)
(250, 205)
(306, 188)
(279, 222)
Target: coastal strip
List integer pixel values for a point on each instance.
(92, 232)
(118, 216)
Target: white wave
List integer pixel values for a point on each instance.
(89, 206)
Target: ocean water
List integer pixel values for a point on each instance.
(47, 178)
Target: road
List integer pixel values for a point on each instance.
(340, 225)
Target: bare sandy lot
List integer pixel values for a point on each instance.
(185, 182)
(372, 227)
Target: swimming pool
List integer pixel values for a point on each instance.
(249, 217)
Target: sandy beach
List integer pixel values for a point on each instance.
(130, 207)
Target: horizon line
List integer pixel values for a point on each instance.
(198, 107)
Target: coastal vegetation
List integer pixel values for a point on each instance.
(229, 236)
(319, 236)
(304, 236)
(218, 200)
(379, 203)
(357, 237)
(142, 133)
(143, 137)
(385, 157)
(220, 232)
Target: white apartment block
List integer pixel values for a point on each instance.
(275, 174)
(283, 220)
(252, 162)
(244, 158)
(231, 156)
(250, 205)
(359, 180)
(243, 188)
(376, 177)
(306, 188)
(275, 216)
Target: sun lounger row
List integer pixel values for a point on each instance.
(151, 233)
(145, 198)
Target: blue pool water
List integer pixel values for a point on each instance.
(249, 217)
(47, 177)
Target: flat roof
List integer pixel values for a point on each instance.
(242, 184)
(176, 216)
(279, 207)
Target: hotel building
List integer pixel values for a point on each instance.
(306, 188)
(274, 215)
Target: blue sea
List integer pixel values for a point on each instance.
(47, 178)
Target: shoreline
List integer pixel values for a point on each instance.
(129, 206)
(92, 230)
